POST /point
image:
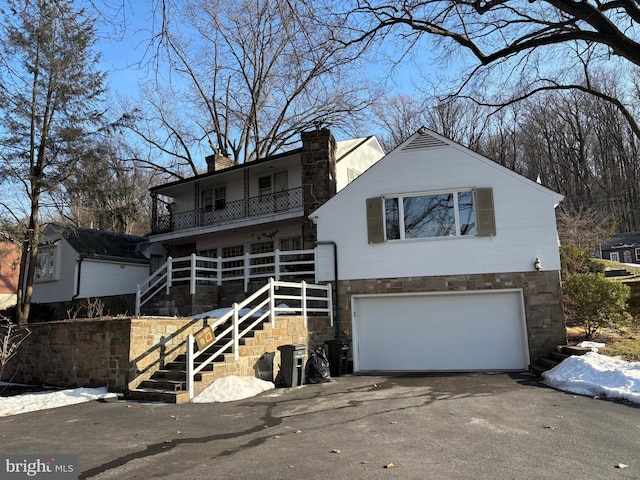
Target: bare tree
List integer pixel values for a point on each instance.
(48, 101)
(107, 190)
(520, 48)
(244, 78)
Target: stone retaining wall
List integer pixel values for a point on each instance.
(119, 353)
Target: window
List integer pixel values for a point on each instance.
(637, 255)
(215, 199)
(268, 261)
(207, 200)
(220, 198)
(291, 243)
(46, 268)
(614, 256)
(425, 216)
(264, 185)
(431, 215)
(232, 268)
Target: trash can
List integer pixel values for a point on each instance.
(338, 356)
(264, 366)
(292, 364)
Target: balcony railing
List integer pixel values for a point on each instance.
(271, 203)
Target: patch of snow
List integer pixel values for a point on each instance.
(231, 388)
(594, 346)
(29, 402)
(593, 374)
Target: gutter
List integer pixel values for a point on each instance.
(338, 332)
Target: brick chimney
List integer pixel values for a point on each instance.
(219, 161)
(318, 175)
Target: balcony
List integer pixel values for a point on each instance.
(253, 207)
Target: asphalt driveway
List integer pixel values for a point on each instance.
(480, 426)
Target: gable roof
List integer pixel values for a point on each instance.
(622, 240)
(424, 140)
(100, 244)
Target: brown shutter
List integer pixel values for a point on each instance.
(375, 220)
(485, 216)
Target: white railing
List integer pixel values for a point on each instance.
(194, 270)
(257, 308)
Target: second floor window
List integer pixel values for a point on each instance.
(220, 198)
(215, 199)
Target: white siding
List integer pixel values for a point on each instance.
(360, 159)
(63, 287)
(109, 278)
(524, 212)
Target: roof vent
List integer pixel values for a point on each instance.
(424, 141)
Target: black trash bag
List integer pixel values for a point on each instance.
(316, 369)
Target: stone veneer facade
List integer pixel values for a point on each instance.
(120, 353)
(541, 292)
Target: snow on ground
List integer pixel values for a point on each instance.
(596, 375)
(591, 374)
(228, 389)
(29, 402)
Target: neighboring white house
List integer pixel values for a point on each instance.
(447, 261)
(77, 263)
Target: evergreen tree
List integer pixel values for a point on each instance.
(49, 103)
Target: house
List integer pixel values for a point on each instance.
(622, 247)
(9, 272)
(80, 263)
(252, 220)
(447, 261)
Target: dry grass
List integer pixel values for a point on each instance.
(624, 342)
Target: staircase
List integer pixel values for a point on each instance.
(243, 336)
(169, 384)
(555, 358)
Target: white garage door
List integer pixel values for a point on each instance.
(440, 332)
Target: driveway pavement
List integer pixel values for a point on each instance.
(480, 426)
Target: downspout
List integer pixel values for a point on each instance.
(75, 295)
(338, 332)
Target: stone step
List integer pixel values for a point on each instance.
(573, 350)
(164, 384)
(156, 395)
(556, 358)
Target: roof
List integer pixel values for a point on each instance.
(343, 149)
(622, 240)
(100, 244)
(425, 139)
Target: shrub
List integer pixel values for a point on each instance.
(596, 302)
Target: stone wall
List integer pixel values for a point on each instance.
(541, 290)
(120, 353)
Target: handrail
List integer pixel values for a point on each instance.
(247, 267)
(255, 305)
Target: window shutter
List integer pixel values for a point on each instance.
(485, 216)
(375, 220)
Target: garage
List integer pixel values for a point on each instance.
(461, 331)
